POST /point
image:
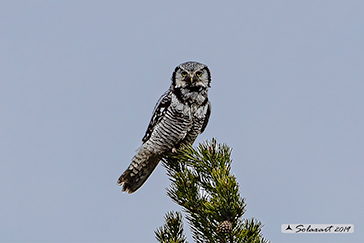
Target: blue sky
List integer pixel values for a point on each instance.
(79, 80)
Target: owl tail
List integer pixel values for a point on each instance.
(141, 167)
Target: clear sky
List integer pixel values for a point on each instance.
(79, 80)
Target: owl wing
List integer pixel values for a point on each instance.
(208, 112)
(158, 113)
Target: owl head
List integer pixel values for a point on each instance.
(192, 76)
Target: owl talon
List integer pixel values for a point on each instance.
(174, 150)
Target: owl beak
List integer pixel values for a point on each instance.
(191, 80)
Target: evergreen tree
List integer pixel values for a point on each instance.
(201, 183)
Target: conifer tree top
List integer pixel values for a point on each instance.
(202, 184)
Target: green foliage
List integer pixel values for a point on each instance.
(172, 231)
(202, 184)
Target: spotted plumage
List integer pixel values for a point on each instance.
(180, 115)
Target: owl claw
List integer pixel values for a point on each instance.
(174, 150)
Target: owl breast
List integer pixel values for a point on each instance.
(181, 124)
(191, 110)
(192, 115)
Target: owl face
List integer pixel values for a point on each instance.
(191, 75)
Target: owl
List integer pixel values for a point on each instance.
(179, 116)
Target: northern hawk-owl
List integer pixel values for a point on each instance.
(179, 116)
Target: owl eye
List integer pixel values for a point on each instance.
(184, 74)
(199, 74)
